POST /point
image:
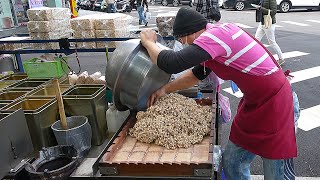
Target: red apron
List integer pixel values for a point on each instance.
(264, 122)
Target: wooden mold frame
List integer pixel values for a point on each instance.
(128, 157)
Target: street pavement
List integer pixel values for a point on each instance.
(298, 35)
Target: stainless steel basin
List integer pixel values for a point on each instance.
(29, 104)
(89, 101)
(83, 91)
(132, 76)
(9, 96)
(5, 84)
(40, 115)
(49, 91)
(28, 84)
(16, 77)
(2, 105)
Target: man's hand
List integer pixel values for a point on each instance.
(156, 95)
(147, 36)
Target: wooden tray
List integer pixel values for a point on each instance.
(128, 157)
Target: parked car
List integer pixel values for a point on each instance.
(239, 5)
(286, 5)
(176, 2)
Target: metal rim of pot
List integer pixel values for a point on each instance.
(119, 80)
(30, 168)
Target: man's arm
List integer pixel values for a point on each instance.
(185, 81)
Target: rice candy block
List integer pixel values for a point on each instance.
(84, 34)
(11, 47)
(48, 14)
(117, 33)
(82, 23)
(107, 44)
(110, 21)
(45, 46)
(49, 26)
(51, 35)
(86, 45)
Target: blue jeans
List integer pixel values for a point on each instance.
(236, 165)
(141, 15)
(111, 8)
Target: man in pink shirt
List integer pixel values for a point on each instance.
(264, 124)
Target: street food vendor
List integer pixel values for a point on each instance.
(263, 125)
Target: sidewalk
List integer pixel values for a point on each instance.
(15, 30)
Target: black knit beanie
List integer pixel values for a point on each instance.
(187, 22)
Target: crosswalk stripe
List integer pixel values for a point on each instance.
(291, 54)
(295, 23)
(298, 75)
(278, 26)
(309, 118)
(243, 26)
(238, 94)
(305, 74)
(315, 21)
(157, 11)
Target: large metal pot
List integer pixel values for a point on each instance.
(132, 76)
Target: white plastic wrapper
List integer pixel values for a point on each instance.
(165, 23)
(48, 14)
(82, 78)
(51, 35)
(85, 78)
(86, 45)
(49, 26)
(84, 34)
(82, 23)
(73, 79)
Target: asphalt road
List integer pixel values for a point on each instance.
(298, 35)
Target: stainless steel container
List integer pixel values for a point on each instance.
(15, 142)
(89, 101)
(132, 76)
(40, 115)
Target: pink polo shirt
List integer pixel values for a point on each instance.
(229, 45)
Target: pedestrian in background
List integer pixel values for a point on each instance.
(140, 8)
(263, 9)
(209, 9)
(110, 6)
